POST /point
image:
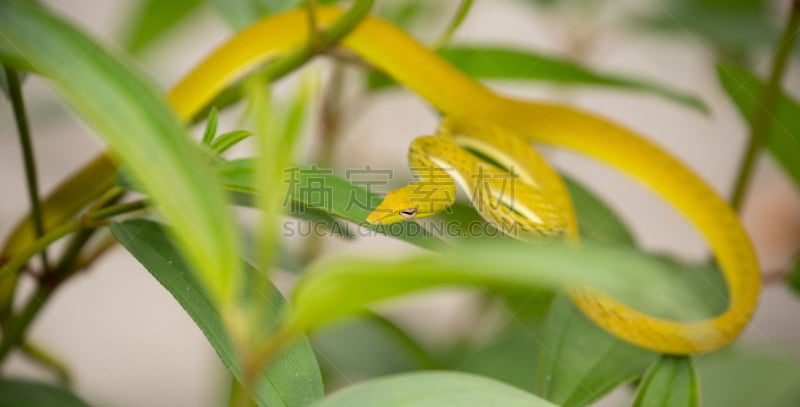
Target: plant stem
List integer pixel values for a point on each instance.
(44, 358)
(458, 18)
(253, 362)
(72, 253)
(330, 124)
(760, 124)
(313, 30)
(74, 194)
(14, 331)
(95, 253)
(15, 263)
(111, 196)
(70, 259)
(292, 59)
(239, 396)
(23, 128)
(332, 35)
(88, 220)
(331, 114)
(109, 211)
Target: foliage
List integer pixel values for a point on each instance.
(170, 202)
(23, 393)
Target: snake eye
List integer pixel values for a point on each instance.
(408, 213)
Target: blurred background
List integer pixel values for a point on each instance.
(129, 343)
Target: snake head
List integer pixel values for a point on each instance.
(398, 206)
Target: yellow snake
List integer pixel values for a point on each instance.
(469, 105)
(518, 191)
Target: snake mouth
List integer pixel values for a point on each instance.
(376, 217)
(382, 217)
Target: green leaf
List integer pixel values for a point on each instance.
(596, 221)
(783, 139)
(130, 115)
(409, 13)
(508, 359)
(705, 285)
(462, 218)
(579, 362)
(241, 13)
(512, 354)
(485, 62)
(741, 376)
(343, 286)
(241, 195)
(319, 189)
(293, 379)
(211, 127)
(730, 26)
(323, 219)
(25, 393)
(356, 349)
(276, 134)
(12, 58)
(671, 382)
(432, 389)
(153, 18)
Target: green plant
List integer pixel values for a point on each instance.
(183, 229)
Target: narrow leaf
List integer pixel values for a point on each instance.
(241, 13)
(596, 220)
(738, 376)
(360, 348)
(731, 27)
(323, 219)
(344, 286)
(433, 389)
(25, 393)
(511, 355)
(579, 362)
(409, 13)
(277, 132)
(498, 63)
(211, 126)
(225, 141)
(292, 380)
(783, 139)
(318, 189)
(153, 18)
(705, 284)
(141, 130)
(671, 382)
